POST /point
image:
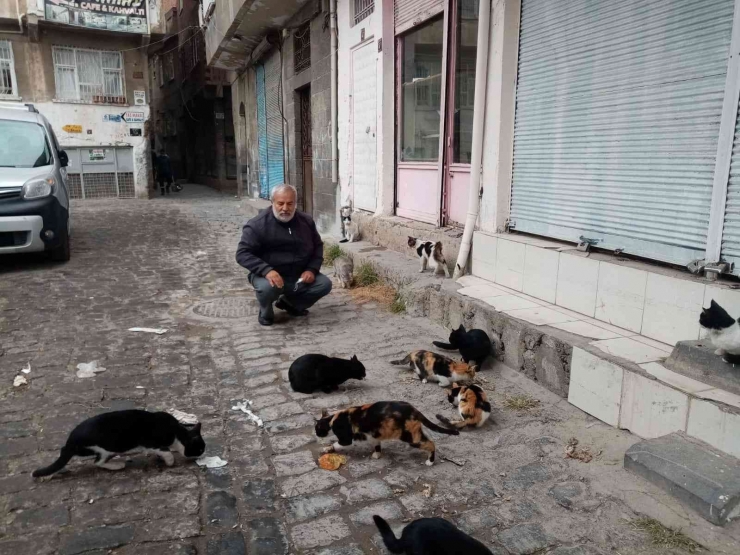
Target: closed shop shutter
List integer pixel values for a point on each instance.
(731, 229)
(409, 13)
(262, 131)
(617, 122)
(274, 108)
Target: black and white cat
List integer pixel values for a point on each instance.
(723, 331)
(430, 536)
(117, 433)
(474, 345)
(429, 253)
(311, 372)
(350, 229)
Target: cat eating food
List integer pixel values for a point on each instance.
(381, 421)
(472, 403)
(343, 268)
(312, 372)
(474, 345)
(430, 366)
(430, 253)
(116, 433)
(429, 536)
(723, 331)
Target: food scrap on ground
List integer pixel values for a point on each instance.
(332, 461)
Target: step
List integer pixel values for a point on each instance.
(696, 359)
(699, 476)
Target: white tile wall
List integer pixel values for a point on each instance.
(672, 308)
(577, 283)
(540, 273)
(595, 386)
(586, 330)
(718, 428)
(672, 378)
(510, 302)
(540, 316)
(620, 296)
(650, 409)
(510, 264)
(483, 263)
(628, 348)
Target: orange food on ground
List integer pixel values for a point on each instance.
(332, 461)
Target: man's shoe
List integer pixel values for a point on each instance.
(282, 304)
(264, 321)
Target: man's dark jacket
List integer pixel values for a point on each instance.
(288, 248)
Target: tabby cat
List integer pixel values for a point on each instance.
(472, 403)
(381, 421)
(473, 345)
(437, 368)
(116, 433)
(309, 373)
(723, 331)
(343, 268)
(430, 253)
(430, 536)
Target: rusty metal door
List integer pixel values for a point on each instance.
(306, 150)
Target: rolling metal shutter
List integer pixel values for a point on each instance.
(617, 121)
(409, 13)
(731, 229)
(274, 108)
(262, 131)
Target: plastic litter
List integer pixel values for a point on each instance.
(26, 369)
(184, 417)
(243, 406)
(19, 381)
(89, 369)
(158, 331)
(210, 462)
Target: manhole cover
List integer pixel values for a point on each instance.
(227, 308)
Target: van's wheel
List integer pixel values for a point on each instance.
(62, 252)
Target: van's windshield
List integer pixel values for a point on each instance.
(23, 144)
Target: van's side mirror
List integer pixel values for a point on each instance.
(63, 158)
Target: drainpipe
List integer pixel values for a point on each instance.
(334, 104)
(479, 110)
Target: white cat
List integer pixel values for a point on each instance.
(723, 331)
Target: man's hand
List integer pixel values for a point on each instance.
(308, 277)
(275, 279)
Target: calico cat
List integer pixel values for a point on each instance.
(311, 372)
(473, 345)
(116, 433)
(430, 253)
(472, 403)
(723, 330)
(430, 536)
(381, 421)
(437, 368)
(343, 268)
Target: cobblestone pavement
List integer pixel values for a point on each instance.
(170, 263)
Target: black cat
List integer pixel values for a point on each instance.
(430, 536)
(115, 433)
(473, 345)
(311, 372)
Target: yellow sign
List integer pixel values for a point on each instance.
(72, 128)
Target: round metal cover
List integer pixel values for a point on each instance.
(227, 308)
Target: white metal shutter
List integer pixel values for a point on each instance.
(409, 13)
(617, 122)
(731, 229)
(364, 124)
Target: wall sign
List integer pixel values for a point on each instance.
(72, 128)
(133, 117)
(139, 98)
(219, 115)
(135, 131)
(128, 16)
(97, 153)
(115, 118)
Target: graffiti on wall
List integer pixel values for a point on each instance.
(128, 16)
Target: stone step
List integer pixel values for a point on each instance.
(693, 472)
(696, 359)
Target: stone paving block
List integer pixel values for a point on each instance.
(525, 539)
(311, 482)
(389, 510)
(528, 475)
(477, 519)
(310, 506)
(218, 477)
(283, 444)
(38, 520)
(226, 544)
(168, 529)
(19, 446)
(367, 490)
(700, 476)
(293, 464)
(251, 464)
(566, 493)
(19, 482)
(262, 379)
(270, 400)
(291, 423)
(157, 548)
(266, 537)
(116, 510)
(360, 468)
(320, 532)
(43, 544)
(221, 509)
(50, 494)
(105, 537)
(346, 550)
(280, 411)
(259, 494)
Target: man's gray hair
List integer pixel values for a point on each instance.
(282, 188)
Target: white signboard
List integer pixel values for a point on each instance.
(139, 98)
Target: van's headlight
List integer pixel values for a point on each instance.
(38, 188)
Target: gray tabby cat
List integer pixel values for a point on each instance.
(343, 268)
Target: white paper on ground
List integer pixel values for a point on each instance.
(19, 381)
(210, 462)
(158, 331)
(243, 406)
(200, 253)
(184, 417)
(89, 369)
(26, 369)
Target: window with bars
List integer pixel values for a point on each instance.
(362, 9)
(89, 75)
(302, 48)
(190, 52)
(8, 85)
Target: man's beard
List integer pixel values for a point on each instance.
(282, 218)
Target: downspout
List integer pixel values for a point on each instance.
(334, 104)
(479, 110)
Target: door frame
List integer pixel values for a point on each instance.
(362, 44)
(304, 92)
